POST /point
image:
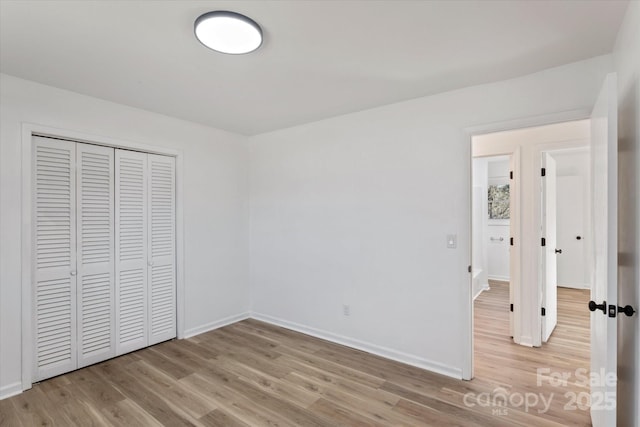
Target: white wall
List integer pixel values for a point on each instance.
(627, 64)
(479, 226)
(355, 210)
(215, 203)
(573, 217)
(498, 252)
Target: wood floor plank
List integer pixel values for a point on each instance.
(168, 366)
(32, 408)
(279, 406)
(440, 406)
(426, 416)
(372, 394)
(274, 386)
(180, 399)
(133, 388)
(255, 374)
(342, 415)
(233, 403)
(172, 351)
(126, 413)
(81, 413)
(378, 410)
(219, 418)
(8, 414)
(98, 392)
(338, 368)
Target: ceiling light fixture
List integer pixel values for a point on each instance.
(228, 32)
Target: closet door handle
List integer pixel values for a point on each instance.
(593, 306)
(73, 272)
(150, 263)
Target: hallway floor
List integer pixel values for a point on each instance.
(499, 360)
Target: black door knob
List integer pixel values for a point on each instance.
(593, 306)
(627, 309)
(558, 251)
(578, 237)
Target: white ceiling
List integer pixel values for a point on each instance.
(319, 58)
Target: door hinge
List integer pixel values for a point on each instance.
(544, 242)
(510, 307)
(544, 172)
(511, 241)
(544, 311)
(510, 174)
(469, 269)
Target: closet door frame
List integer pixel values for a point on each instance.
(29, 130)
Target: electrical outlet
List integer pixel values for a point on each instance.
(346, 310)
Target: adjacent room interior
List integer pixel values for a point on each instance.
(380, 213)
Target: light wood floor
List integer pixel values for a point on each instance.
(252, 373)
(499, 361)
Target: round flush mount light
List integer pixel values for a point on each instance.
(228, 32)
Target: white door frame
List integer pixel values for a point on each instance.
(28, 131)
(467, 294)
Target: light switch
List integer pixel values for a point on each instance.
(452, 241)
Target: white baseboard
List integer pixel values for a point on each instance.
(484, 287)
(385, 352)
(526, 341)
(499, 278)
(10, 390)
(216, 324)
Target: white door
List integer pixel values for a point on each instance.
(571, 208)
(131, 251)
(161, 232)
(549, 307)
(54, 258)
(604, 229)
(104, 253)
(95, 253)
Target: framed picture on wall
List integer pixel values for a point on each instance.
(498, 203)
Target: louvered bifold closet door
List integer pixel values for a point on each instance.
(162, 266)
(96, 290)
(54, 274)
(131, 251)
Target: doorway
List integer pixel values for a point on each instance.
(491, 213)
(526, 148)
(508, 315)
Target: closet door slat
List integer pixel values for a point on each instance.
(131, 251)
(95, 246)
(161, 232)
